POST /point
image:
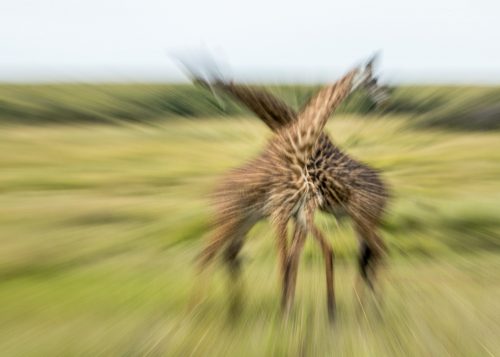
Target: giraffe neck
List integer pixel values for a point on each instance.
(300, 139)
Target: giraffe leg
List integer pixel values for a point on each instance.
(365, 256)
(328, 256)
(376, 270)
(282, 246)
(233, 263)
(371, 250)
(228, 237)
(299, 238)
(370, 260)
(218, 238)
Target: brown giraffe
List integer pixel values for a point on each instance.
(285, 183)
(346, 185)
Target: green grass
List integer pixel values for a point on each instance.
(136, 103)
(100, 226)
(453, 107)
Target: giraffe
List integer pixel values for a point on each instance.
(330, 165)
(286, 183)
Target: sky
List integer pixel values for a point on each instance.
(436, 41)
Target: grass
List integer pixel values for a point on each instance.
(100, 226)
(463, 108)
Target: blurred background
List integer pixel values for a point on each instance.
(108, 155)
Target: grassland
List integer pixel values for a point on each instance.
(100, 225)
(470, 108)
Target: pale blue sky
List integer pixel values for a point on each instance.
(422, 41)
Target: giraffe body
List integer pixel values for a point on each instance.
(299, 171)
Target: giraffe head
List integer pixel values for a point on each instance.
(366, 79)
